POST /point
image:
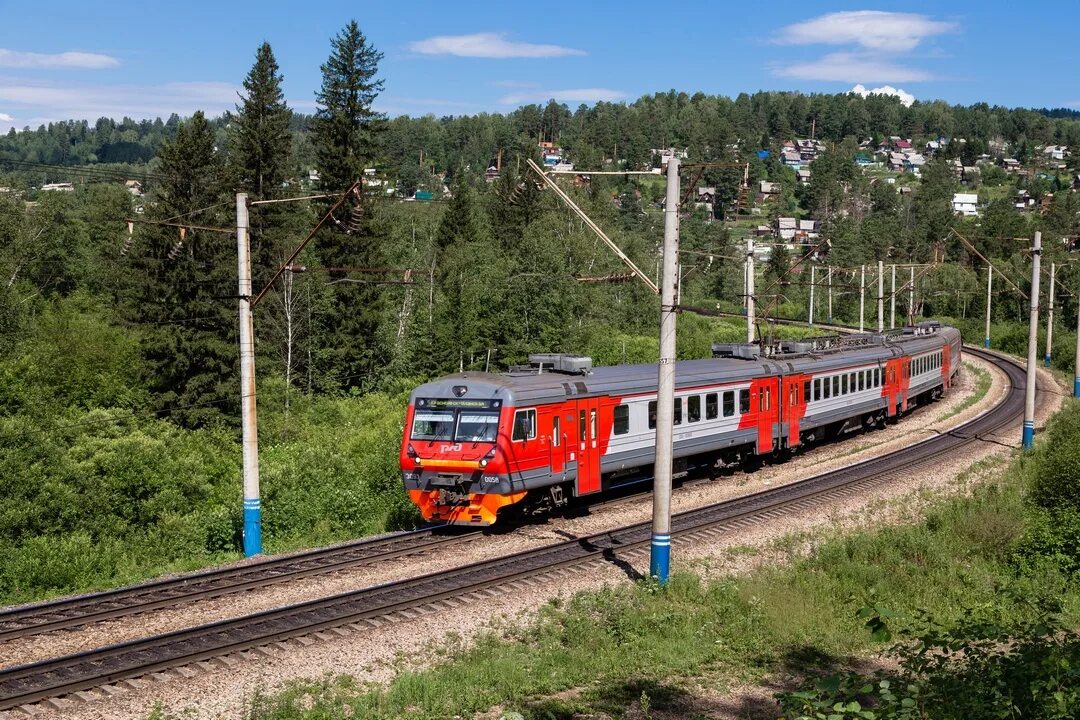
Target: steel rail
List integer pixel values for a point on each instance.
(403, 599)
(79, 610)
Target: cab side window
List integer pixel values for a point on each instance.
(524, 425)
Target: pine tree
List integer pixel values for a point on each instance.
(345, 122)
(259, 138)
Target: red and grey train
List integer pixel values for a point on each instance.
(478, 442)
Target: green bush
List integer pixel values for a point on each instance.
(1056, 482)
(978, 667)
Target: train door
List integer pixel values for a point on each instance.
(793, 401)
(557, 442)
(764, 411)
(588, 446)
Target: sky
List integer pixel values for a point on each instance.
(66, 60)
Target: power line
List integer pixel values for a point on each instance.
(86, 170)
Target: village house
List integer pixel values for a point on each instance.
(706, 198)
(1023, 201)
(766, 191)
(667, 153)
(803, 175)
(786, 228)
(807, 230)
(966, 204)
(1011, 165)
(914, 161)
(134, 187)
(1056, 152)
(58, 187)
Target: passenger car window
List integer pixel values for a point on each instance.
(712, 406)
(652, 414)
(693, 408)
(744, 401)
(622, 420)
(556, 434)
(729, 403)
(677, 411)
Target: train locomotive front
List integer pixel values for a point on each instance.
(456, 449)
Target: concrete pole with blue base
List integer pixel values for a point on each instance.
(989, 298)
(1033, 341)
(660, 549)
(1076, 377)
(249, 425)
(1050, 316)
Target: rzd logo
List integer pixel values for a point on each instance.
(456, 447)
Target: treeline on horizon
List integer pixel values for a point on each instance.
(711, 127)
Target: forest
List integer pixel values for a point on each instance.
(119, 390)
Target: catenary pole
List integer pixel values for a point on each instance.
(892, 300)
(989, 300)
(812, 269)
(1033, 341)
(1076, 376)
(750, 290)
(660, 546)
(911, 298)
(862, 299)
(830, 294)
(1050, 316)
(880, 296)
(249, 423)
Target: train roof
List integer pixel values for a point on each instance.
(522, 388)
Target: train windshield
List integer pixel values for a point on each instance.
(457, 425)
(476, 426)
(434, 424)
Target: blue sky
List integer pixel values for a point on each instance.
(62, 60)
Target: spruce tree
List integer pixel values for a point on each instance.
(345, 123)
(259, 138)
(181, 282)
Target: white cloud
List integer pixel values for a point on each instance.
(585, 95)
(871, 29)
(82, 60)
(50, 102)
(1073, 104)
(853, 67)
(4, 117)
(488, 45)
(906, 98)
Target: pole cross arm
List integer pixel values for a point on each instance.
(593, 226)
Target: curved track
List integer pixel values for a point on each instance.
(404, 599)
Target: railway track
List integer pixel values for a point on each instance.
(83, 609)
(369, 607)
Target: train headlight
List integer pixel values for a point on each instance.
(483, 462)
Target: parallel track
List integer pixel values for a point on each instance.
(452, 588)
(83, 609)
